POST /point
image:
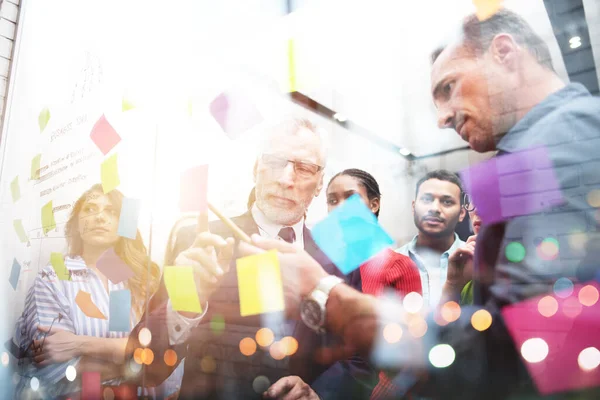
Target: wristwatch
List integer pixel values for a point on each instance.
(312, 308)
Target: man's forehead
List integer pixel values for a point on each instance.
(439, 187)
(452, 57)
(302, 143)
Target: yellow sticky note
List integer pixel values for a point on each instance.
(109, 174)
(15, 190)
(181, 288)
(486, 8)
(48, 222)
(18, 224)
(43, 118)
(259, 283)
(127, 104)
(58, 264)
(35, 167)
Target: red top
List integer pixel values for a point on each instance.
(389, 269)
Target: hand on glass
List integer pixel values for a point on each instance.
(290, 388)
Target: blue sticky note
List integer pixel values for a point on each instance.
(128, 221)
(350, 235)
(14, 274)
(119, 311)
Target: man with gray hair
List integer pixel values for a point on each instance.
(288, 174)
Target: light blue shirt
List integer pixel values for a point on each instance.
(433, 268)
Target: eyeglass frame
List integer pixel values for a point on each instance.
(294, 162)
(467, 203)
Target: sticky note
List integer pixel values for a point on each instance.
(35, 167)
(48, 222)
(567, 329)
(113, 267)
(235, 113)
(91, 386)
(15, 272)
(15, 190)
(350, 235)
(260, 285)
(127, 104)
(119, 311)
(57, 261)
(516, 184)
(109, 174)
(18, 224)
(104, 135)
(190, 107)
(43, 118)
(291, 66)
(486, 8)
(193, 189)
(181, 288)
(86, 305)
(128, 219)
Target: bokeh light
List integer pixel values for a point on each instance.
(392, 333)
(145, 337)
(588, 295)
(264, 337)
(534, 350)
(217, 324)
(413, 302)
(290, 345)
(260, 384)
(548, 249)
(577, 241)
(417, 327)
(34, 383)
(481, 320)
(589, 359)
(137, 355)
(147, 356)
(134, 366)
(170, 357)
(515, 252)
(5, 359)
(71, 373)
(108, 394)
(563, 287)
(571, 307)
(450, 311)
(547, 306)
(208, 364)
(441, 355)
(593, 198)
(277, 351)
(247, 346)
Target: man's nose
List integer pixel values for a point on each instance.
(445, 118)
(287, 175)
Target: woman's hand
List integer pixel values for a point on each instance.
(58, 347)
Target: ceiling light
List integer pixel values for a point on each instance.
(575, 42)
(404, 151)
(340, 117)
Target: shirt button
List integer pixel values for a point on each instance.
(177, 328)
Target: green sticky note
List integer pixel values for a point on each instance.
(58, 264)
(43, 118)
(15, 190)
(181, 288)
(18, 224)
(48, 222)
(35, 167)
(109, 174)
(127, 104)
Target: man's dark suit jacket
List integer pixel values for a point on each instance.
(235, 373)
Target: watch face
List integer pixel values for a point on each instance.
(311, 313)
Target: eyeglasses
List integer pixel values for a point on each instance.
(467, 203)
(301, 168)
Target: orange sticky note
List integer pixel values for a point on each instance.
(87, 306)
(486, 8)
(58, 263)
(260, 285)
(109, 174)
(181, 288)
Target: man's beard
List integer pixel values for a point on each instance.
(419, 222)
(279, 215)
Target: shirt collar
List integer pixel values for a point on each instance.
(457, 242)
(515, 138)
(270, 228)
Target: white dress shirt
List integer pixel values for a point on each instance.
(180, 327)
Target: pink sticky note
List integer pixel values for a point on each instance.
(572, 328)
(91, 388)
(104, 135)
(235, 113)
(512, 185)
(113, 267)
(194, 184)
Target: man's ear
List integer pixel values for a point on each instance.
(413, 207)
(375, 204)
(254, 170)
(319, 186)
(462, 215)
(505, 50)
